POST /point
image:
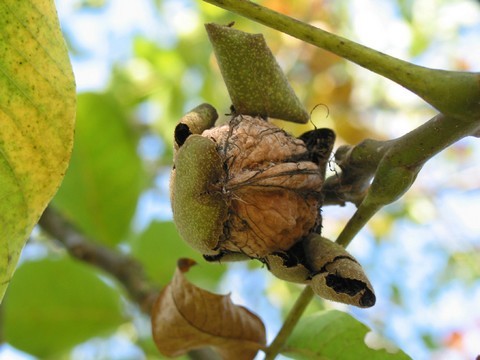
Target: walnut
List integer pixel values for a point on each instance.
(248, 187)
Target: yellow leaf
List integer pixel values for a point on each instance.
(186, 317)
(37, 114)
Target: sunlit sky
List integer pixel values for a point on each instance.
(104, 37)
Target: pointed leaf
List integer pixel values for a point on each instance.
(334, 335)
(255, 82)
(186, 317)
(37, 113)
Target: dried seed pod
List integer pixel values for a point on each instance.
(256, 185)
(337, 275)
(278, 264)
(195, 121)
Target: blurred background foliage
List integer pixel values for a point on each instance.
(140, 66)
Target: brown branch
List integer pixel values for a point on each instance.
(124, 268)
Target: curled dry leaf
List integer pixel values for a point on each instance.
(327, 267)
(186, 317)
(336, 274)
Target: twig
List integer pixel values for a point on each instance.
(125, 269)
(293, 316)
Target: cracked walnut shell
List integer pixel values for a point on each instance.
(247, 187)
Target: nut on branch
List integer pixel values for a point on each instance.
(247, 187)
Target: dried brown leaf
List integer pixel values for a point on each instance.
(186, 317)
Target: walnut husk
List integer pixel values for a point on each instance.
(336, 274)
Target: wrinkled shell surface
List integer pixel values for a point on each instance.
(271, 189)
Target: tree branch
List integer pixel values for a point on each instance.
(393, 164)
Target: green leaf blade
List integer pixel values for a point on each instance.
(37, 115)
(334, 335)
(105, 178)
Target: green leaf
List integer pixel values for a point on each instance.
(333, 335)
(102, 185)
(159, 248)
(53, 305)
(37, 114)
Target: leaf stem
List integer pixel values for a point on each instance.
(451, 92)
(293, 316)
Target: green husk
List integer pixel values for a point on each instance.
(255, 82)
